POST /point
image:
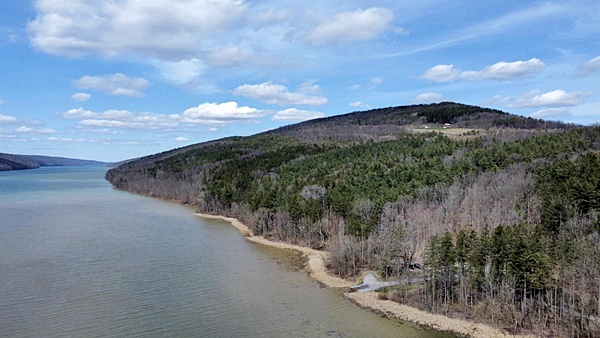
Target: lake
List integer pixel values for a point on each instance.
(79, 258)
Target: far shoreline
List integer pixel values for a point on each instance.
(317, 269)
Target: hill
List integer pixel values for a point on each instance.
(501, 210)
(21, 162)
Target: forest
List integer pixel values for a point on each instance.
(22, 162)
(501, 219)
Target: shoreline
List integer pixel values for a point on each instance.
(315, 259)
(317, 269)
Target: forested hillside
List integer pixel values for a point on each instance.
(501, 210)
(20, 162)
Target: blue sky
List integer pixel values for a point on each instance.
(113, 80)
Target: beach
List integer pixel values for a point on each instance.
(317, 269)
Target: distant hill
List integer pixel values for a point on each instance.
(21, 162)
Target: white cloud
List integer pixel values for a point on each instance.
(7, 119)
(102, 141)
(347, 27)
(80, 113)
(229, 56)
(68, 140)
(309, 87)
(80, 97)
(215, 113)
(269, 15)
(377, 80)
(441, 73)
(513, 22)
(538, 12)
(120, 119)
(359, 104)
(157, 29)
(181, 139)
(552, 113)
(115, 84)
(181, 72)
(505, 70)
(589, 67)
(536, 98)
(296, 115)
(428, 98)
(142, 125)
(29, 130)
(555, 98)
(499, 71)
(271, 93)
(206, 113)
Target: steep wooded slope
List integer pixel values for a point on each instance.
(504, 217)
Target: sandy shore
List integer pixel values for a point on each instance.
(437, 322)
(317, 269)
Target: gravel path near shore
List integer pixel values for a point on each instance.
(317, 269)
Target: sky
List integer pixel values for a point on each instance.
(119, 79)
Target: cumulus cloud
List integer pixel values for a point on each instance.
(499, 71)
(181, 72)
(590, 67)
(158, 29)
(537, 98)
(377, 80)
(102, 141)
(6, 119)
(296, 115)
(229, 56)
(352, 26)
(441, 73)
(219, 113)
(30, 130)
(181, 139)
(137, 125)
(505, 70)
(428, 98)
(552, 113)
(121, 119)
(359, 104)
(309, 87)
(115, 84)
(80, 97)
(80, 113)
(277, 94)
(206, 113)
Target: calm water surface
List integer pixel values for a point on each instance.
(78, 258)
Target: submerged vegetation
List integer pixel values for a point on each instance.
(504, 218)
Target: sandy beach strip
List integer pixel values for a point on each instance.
(317, 269)
(437, 322)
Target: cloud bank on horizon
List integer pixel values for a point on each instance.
(112, 80)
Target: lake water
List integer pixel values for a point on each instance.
(78, 258)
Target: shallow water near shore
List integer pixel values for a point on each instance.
(78, 258)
